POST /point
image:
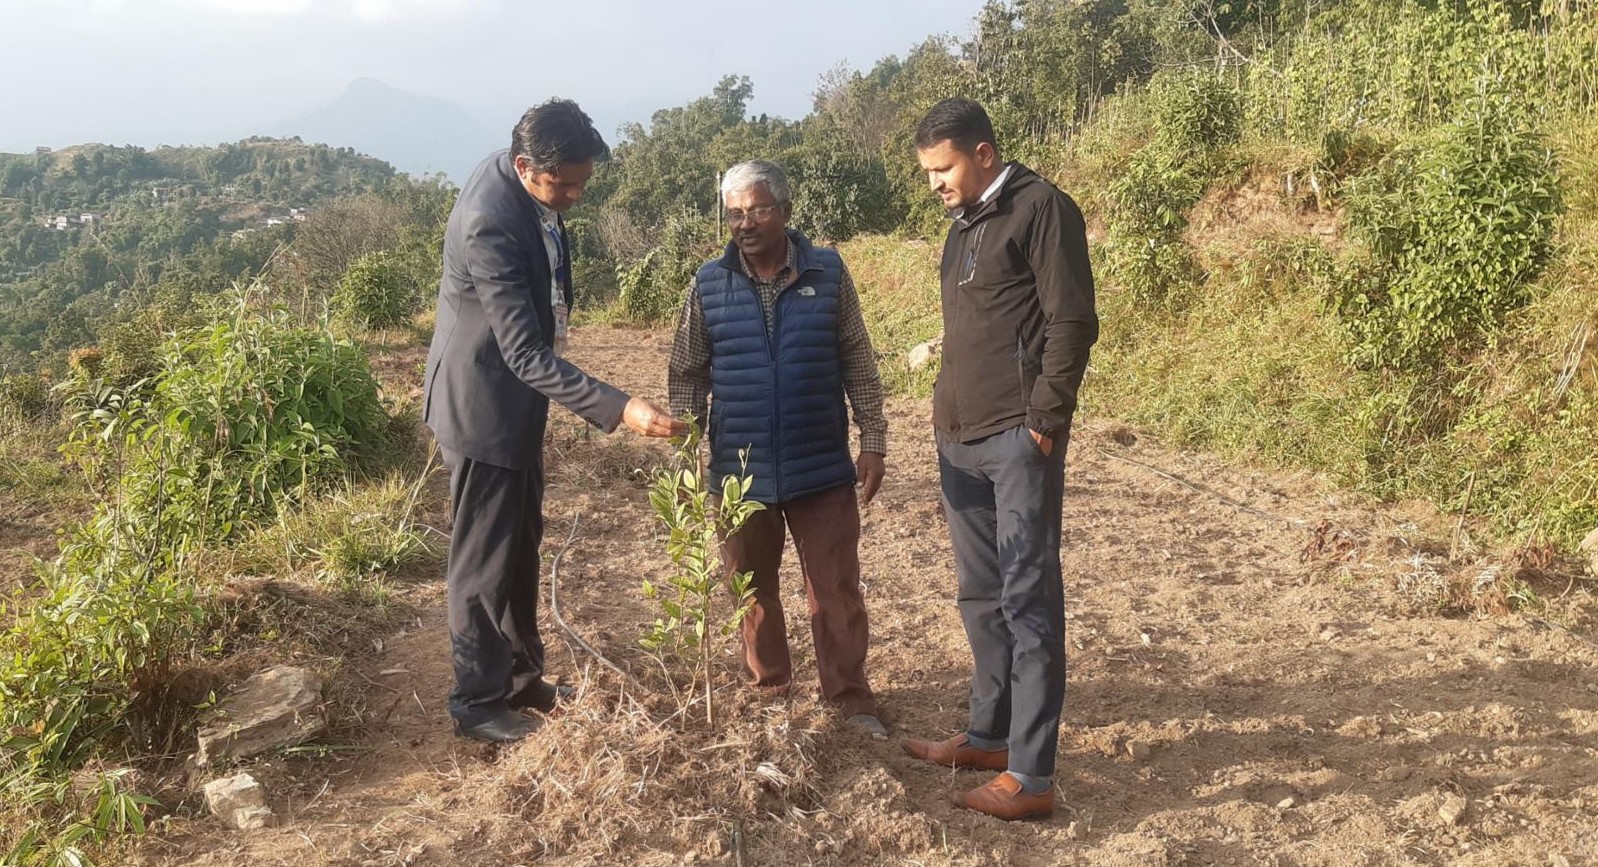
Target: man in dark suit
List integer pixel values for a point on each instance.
(491, 372)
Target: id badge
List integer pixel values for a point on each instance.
(562, 318)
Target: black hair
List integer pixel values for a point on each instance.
(556, 134)
(959, 121)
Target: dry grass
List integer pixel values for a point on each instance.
(582, 780)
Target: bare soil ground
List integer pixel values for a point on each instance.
(1257, 677)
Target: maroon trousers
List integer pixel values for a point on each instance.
(826, 535)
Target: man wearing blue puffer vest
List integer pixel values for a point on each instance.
(772, 336)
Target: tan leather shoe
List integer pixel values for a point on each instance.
(1003, 798)
(957, 752)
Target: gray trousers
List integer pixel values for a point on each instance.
(1002, 498)
(498, 523)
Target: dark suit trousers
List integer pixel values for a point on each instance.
(1003, 498)
(826, 536)
(493, 587)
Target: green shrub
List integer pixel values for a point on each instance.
(1458, 222)
(1197, 119)
(376, 291)
(266, 409)
(838, 194)
(1196, 114)
(652, 288)
(244, 417)
(1146, 207)
(1397, 67)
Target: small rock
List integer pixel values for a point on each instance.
(1139, 750)
(923, 353)
(279, 707)
(1287, 803)
(239, 801)
(1395, 774)
(1453, 810)
(1074, 831)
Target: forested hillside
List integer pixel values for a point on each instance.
(88, 231)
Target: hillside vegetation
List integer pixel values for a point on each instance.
(90, 235)
(1353, 237)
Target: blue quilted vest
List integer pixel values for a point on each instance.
(780, 396)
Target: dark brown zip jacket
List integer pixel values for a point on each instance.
(1018, 313)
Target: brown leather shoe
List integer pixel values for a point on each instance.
(1003, 798)
(957, 752)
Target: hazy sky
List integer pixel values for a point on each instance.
(154, 72)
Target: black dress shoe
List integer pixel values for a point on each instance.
(502, 729)
(542, 696)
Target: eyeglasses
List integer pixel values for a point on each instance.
(761, 213)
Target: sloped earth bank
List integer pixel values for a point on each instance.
(1255, 679)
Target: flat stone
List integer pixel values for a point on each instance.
(923, 353)
(1395, 774)
(279, 707)
(239, 801)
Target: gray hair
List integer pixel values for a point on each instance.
(746, 175)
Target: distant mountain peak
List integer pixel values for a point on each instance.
(415, 132)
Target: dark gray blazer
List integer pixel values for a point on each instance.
(490, 372)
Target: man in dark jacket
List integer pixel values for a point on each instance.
(1018, 320)
(491, 372)
(772, 334)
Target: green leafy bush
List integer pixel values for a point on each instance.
(1196, 114)
(1458, 222)
(838, 194)
(376, 291)
(1147, 210)
(652, 288)
(244, 417)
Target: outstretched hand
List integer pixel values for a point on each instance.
(647, 419)
(869, 469)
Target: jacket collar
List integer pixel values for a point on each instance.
(1016, 176)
